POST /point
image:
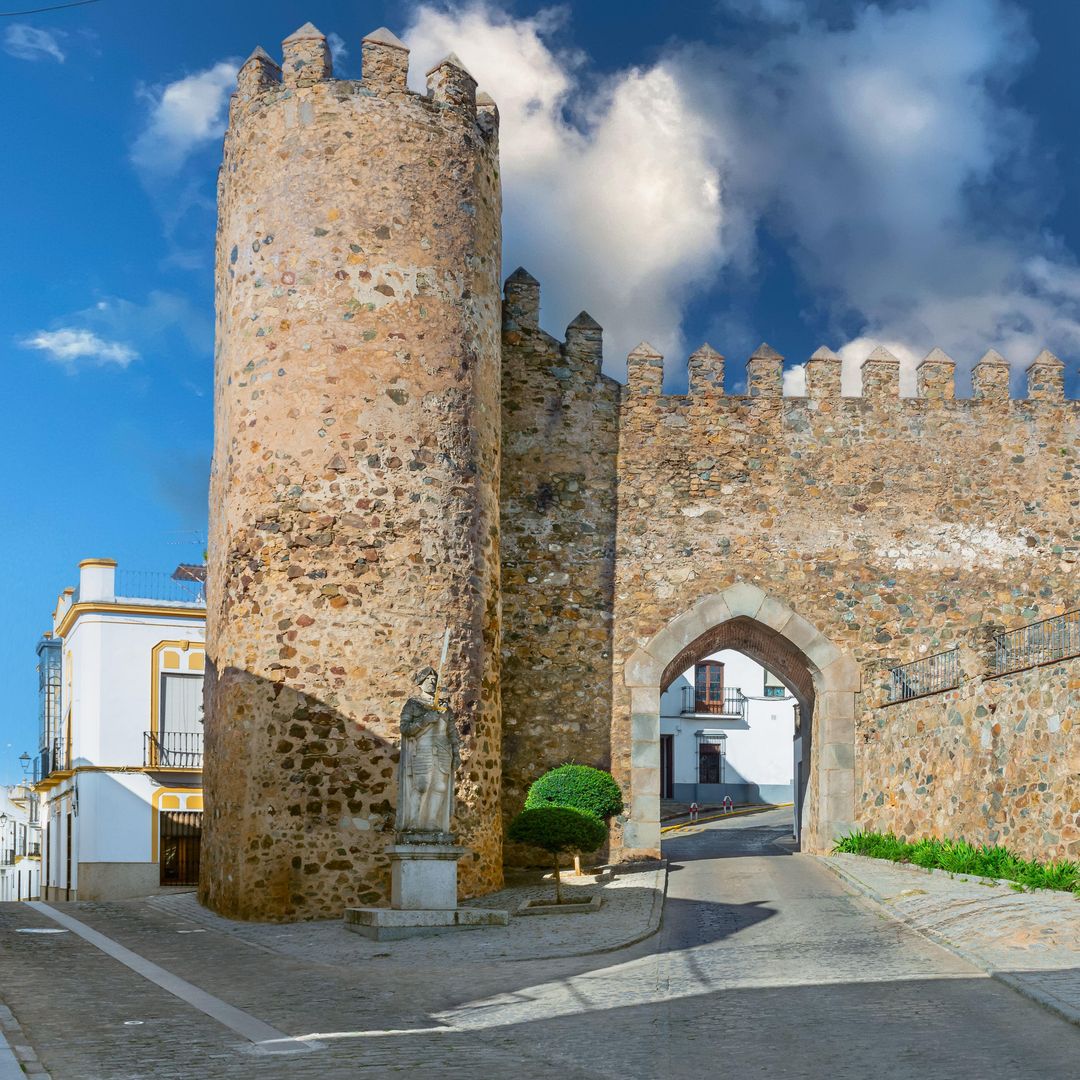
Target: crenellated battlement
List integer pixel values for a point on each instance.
(307, 63)
(880, 371)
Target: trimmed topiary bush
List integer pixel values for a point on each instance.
(579, 786)
(558, 830)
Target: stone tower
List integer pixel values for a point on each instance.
(354, 492)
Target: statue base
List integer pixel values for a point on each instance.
(423, 894)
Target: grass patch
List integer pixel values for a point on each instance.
(960, 857)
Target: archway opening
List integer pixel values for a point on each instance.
(822, 679)
(736, 710)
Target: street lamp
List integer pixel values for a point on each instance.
(24, 761)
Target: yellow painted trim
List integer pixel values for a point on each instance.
(156, 664)
(155, 799)
(97, 562)
(723, 817)
(106, 608)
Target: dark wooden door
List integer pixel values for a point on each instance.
(67, 868)
(667, 766)
(180, 841)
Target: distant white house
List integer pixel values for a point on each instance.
(20, 844)
(727, 728)
(119, 769)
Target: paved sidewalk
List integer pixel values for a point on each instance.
(1028, 940)
(632, 906)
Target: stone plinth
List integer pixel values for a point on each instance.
(423, 896)
(389, 924)
(424, 876)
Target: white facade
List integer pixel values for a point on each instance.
(739, 744)
(121, 756)
(20, 844)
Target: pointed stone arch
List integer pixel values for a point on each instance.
(823, 679)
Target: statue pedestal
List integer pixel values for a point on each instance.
(423, 896)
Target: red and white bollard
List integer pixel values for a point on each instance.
(693, 811)
(729, 805)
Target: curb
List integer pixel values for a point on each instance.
(17, 1058)
(656, 917)
(1020, 985)
(723, 817)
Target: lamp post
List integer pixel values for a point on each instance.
(24, 761)
(3, 839)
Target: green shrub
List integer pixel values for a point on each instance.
(960, 857)
(579, 786)
(558, 830)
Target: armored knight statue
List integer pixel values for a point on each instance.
(430, 758)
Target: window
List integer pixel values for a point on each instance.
(709, 687)
(711, 757)
(773, 686)
(181, 704)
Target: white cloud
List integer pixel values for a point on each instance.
(26, 42)
(879, 147)
(70, 346)
(117, 331)
(339, 51)
(183, 116)
(617, 210)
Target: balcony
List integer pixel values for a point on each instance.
(173, 749)
(731, 706)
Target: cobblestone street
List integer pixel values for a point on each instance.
(766, 965)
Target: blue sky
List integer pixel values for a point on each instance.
(802, 173)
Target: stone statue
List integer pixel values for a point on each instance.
(429, 759)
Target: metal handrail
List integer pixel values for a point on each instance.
(928, 675)
(1043, 642)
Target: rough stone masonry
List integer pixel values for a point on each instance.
(397, 449)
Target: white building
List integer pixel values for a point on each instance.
(727, 728)
(20, 844)
(120, 764)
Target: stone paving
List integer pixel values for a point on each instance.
(765, 966)
(1029, 940)
(632, 903)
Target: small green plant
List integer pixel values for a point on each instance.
(558, 830)
(579, 786)
(961, 857)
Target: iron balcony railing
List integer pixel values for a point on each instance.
(153, 585)
(1039, 643)
(50, 759)
(733, 703)
(7, 856)
(173, 749)
(930, 675)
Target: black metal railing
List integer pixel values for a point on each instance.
(733, 703)
(153, 585)
(50, 759)
(7, 856)
(1038, 643)
(930, 675)
(173, 749)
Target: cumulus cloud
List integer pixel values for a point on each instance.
(26, 42)
(879, 146)
(613, 194)
(183, 116)
(74, 348)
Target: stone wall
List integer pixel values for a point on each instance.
(995, 761)
(354, 494)
(894, 527)
(560, 439)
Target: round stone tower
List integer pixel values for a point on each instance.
(354, 494)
